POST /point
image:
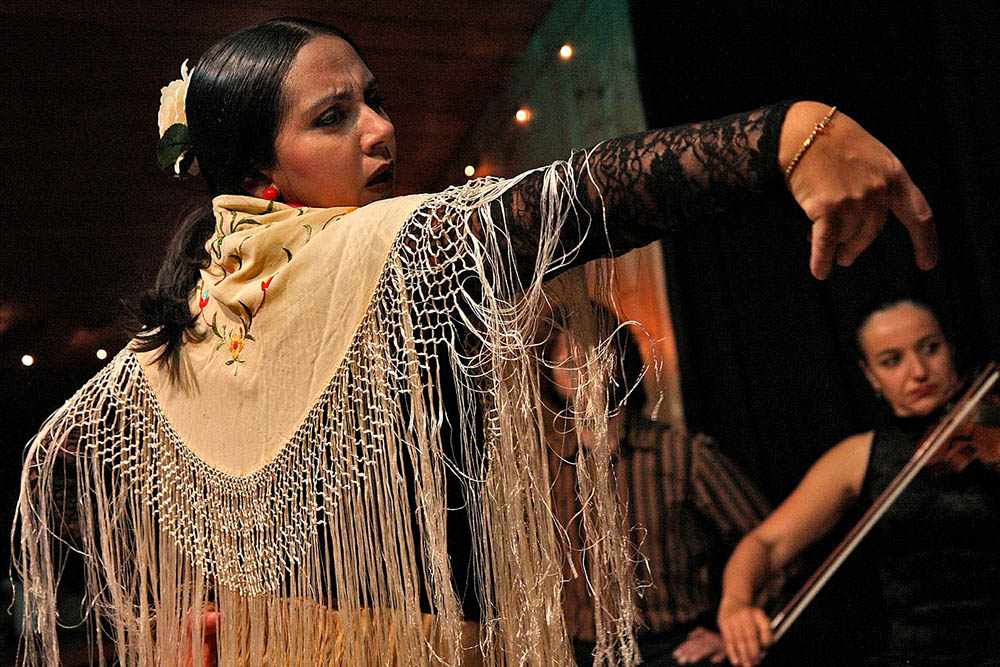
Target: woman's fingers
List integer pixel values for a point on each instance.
(746, 644)
(745, 635)
(847, 183)
(699, 645)
(872, 220)
(764, 634)
(909, 205)
(825, 238)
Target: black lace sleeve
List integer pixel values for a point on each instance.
(653, 184)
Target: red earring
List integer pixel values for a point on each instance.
(270, 193)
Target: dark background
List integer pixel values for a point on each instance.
(766, 351)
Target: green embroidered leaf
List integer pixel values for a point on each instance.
(287, 252)
(239, 260)
(249, 337)
(171, 145)
(247, 221)
(309, 232)
(230, 362)
(249, 322)
(215, 326)
(270, 206)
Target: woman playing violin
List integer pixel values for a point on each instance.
(938, 564)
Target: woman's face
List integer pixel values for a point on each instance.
(908, 359)
(335, 146)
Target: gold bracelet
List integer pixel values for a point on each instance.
(817, 130)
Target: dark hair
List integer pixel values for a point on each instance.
(889, 301)
(234, 109)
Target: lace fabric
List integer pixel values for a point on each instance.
(351, 512)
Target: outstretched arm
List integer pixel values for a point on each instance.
(653, 184)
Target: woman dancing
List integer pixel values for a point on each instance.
(323, 373)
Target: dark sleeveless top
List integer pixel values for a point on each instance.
(938, 556)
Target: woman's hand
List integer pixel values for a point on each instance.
(746, 632)
(200, 638)
(847, 182)
(701, 644)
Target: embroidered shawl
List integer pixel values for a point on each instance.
(290, 467)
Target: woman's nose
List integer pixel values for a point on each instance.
(918, 367)
(377, 132)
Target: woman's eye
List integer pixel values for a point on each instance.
(889, 361)
(331, 116)
(932, 347)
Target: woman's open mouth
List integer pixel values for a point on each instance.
(383, 178)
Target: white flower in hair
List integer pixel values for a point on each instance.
(172, 100)
(173, 150)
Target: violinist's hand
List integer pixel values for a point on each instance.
(847, 182)
(746, 632)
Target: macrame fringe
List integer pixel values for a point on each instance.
(332, 552)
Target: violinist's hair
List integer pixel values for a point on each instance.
(888, 301)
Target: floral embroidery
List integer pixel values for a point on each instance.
(236, 347)
(234, 338)
(338, 216)
(229, 258)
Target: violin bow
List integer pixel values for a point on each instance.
(928, 447)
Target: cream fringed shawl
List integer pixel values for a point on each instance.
(290, 471)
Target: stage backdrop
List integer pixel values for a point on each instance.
(765, 350)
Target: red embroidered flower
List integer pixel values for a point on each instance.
(235, 345)
(264, 284)
(203, 300)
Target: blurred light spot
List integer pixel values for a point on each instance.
(470, 171)
(566, 52)
(102, 354)
(27, 360)
(522, 115)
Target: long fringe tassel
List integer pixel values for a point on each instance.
(327, 554)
